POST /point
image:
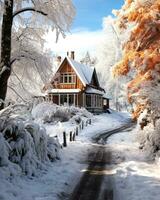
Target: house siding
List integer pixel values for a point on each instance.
(66, 68)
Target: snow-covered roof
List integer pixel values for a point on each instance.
(84, 72)
(105, 96)
(91, 90)
(64, 91)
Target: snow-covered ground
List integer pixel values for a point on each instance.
(62, 175)
(135, 177)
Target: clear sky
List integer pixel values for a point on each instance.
(90, 12)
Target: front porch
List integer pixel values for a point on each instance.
(92, 102)
(64, 99)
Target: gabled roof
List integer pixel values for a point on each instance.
(84, 72)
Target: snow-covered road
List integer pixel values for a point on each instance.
(97, 172)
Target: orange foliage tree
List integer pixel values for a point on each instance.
(141, 52)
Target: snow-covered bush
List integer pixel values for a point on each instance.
(48, 112)
(25, 144)
(149, 134)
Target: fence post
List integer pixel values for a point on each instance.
(74, 136)
(70, 138)
(82, 125)
(64, 139)
(76, 130)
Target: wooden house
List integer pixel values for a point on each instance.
(77, 84)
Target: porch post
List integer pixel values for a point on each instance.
(59, 100)
(91, 100)
(77, 100)
(68, 99)
(74, 100)
(83, 100)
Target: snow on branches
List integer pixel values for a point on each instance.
(141, 58)
(23, 24)
(23, 143)
(141, 52)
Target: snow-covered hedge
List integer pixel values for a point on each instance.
(47, 112)
(149, 134)
(24, 144)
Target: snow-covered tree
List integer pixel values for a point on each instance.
(88, 60)
(108, 53)
(39, 14)
(31, 64)
(141, 57)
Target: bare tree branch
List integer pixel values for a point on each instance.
(17, 93)
(28, 9)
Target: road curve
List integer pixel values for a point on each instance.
(95, 176)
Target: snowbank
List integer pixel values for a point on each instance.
(135, 177)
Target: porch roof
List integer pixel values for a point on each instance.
(105, 96)
(90, 90)
(61, 91)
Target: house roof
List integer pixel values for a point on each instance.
(84, 72)
(91, 90)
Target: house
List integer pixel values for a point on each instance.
(77, 84)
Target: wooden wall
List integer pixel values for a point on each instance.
(66, 68)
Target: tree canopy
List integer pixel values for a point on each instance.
(141, 53)
(23, 24)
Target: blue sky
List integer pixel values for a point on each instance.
(87, 31)
(90, 12)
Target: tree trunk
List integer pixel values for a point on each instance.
(5, 66)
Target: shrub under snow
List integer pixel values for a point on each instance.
(24, 144)
(47, 112)
(149, 135)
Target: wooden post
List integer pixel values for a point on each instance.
(74, 136)
(74, 100)
(64, 139)
(76, 130)
(59, 99)
(82, 125)
(70, 138)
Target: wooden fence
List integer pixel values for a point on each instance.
(73, 134)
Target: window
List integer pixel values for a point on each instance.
(65, 79)
(88, 100)
(68, 78)
(63, 99)
(71, 99)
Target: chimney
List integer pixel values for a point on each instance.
(72, 55)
